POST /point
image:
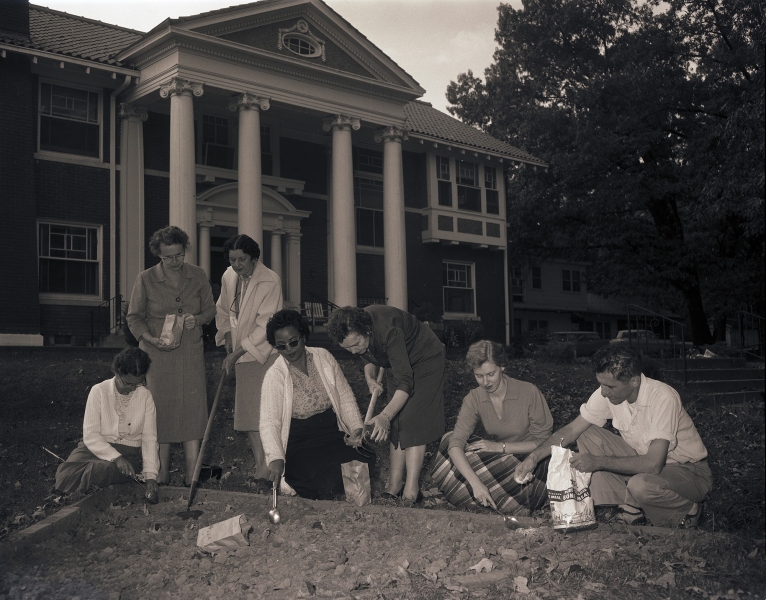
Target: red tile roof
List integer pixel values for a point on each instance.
(70, 35)
(422, 118)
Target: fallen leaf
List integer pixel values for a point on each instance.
(484, 564)
(668, 580)
(520, 585)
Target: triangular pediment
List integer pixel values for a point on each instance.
(302, 32)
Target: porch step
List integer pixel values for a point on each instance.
(723, 380)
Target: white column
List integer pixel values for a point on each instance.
(343, 222)
(293, 292)
(183, 178)
(249, 191)
(131, 196)
(276, 254)
(394, 233)
(204, 247)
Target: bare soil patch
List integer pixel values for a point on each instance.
(125, 549)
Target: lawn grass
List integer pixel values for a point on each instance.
(44, 390)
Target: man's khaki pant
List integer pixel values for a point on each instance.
(665, 498)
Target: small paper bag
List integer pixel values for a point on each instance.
(356, 482)
(172, 330)
(568, 491)
(225, 534)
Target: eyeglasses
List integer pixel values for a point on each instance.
(174, 257)
(131, 386)
(291, 344)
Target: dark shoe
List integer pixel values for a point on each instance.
(693, 521)
(630, 518)
(615, 514)
(390, 496)
(410, 502)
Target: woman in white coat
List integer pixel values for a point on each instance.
(250, 294)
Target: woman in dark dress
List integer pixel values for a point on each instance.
(414, 359)
(310, 423)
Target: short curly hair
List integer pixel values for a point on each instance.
(347, 320)
(486, 351)
(131, 361)
(620, 360)
(242, 242)
(168, 236)
(287, 318)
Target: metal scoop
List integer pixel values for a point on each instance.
(510, 522)
(274, 515)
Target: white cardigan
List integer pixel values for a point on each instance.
(101, 426)
(263, 297)
(277, 402)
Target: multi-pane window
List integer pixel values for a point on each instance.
(570, 280)
(537, 278)
(517, 284)
(468, 190)
(535, 324)
(369, 161)
(216, 148)
(70, 120)
(459, 291)
(493, 198)
(444, 181)
(368, 199)
(69, 261)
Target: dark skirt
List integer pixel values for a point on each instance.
(315, 451)
(495, 470)
(421, 419)
(84, 470)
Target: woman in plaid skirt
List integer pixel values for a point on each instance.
(516, 419)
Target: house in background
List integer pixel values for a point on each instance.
(277, 119)
(554, 296)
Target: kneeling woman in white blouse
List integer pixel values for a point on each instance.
(119, 431)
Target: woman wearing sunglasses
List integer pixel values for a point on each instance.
(119, 431)
(310, 421)
(250, 294)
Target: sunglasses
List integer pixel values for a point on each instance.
(291, 344)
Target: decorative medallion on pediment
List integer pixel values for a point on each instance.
(300, 40)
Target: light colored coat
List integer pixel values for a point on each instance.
(263, 297)
(277, 402)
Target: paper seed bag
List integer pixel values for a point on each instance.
(172, 330)
(356, 482)
(226, 534)
(568, 491)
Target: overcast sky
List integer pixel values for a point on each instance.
(433, 40)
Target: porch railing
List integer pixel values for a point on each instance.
(317, 310)
(751, 335)
(105, 318)
(658, 336)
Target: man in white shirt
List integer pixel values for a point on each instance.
(657, 467)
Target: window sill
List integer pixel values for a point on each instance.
(370, 250)
(72, 159)
(69, 300)
(459, 317)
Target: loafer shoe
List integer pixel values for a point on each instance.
(693, 521)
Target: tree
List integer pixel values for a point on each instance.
(651, 117)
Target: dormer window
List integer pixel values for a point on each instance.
(299, 40)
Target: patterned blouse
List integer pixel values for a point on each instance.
(309, 396)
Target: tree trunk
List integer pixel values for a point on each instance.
(700, 330)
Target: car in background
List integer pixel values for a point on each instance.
(586, 343)
(648, 342)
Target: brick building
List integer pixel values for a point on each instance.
(277, 119)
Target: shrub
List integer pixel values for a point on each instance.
(428, 312)
(462, 333)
